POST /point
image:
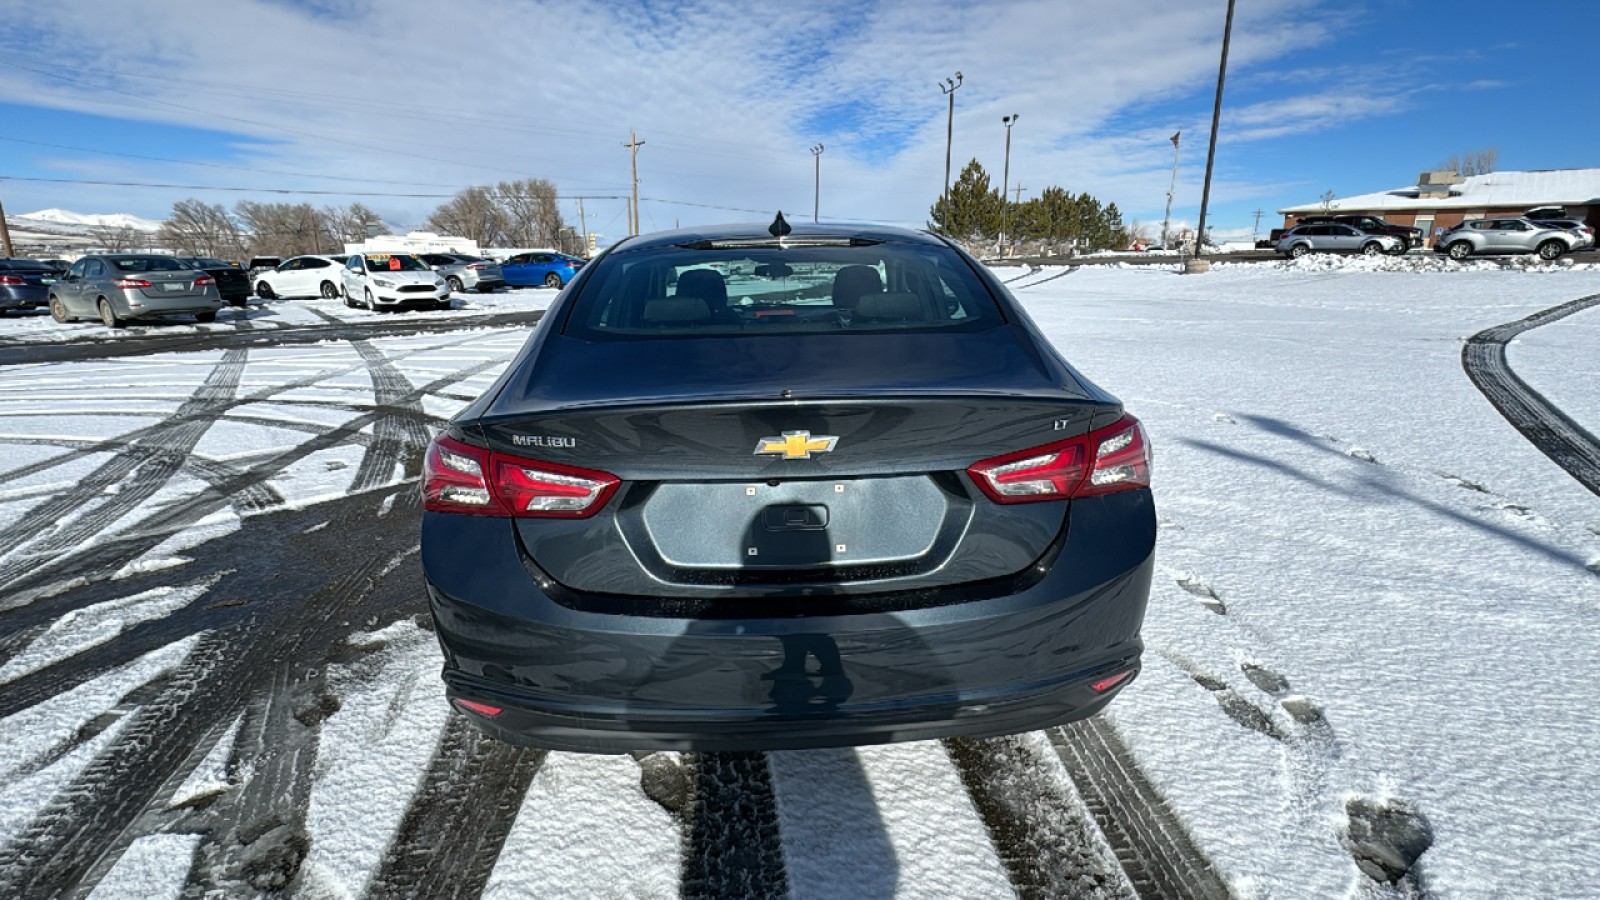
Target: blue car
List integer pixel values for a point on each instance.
(748, 489)
(540, 267)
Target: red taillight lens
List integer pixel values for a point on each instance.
(1114, 458)
(204, 281)
(476, 266)
(482, 709)
(132, 283)
(1111, 681)
(459, 478)
(11, 279)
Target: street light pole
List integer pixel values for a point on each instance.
(1211, 154)
(1166, 220)
(1005, 179)
(816, 190)
(949, 88)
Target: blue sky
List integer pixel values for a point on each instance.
(372, 97)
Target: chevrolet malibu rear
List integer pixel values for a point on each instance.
(812, 487)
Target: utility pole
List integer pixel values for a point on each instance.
(1166, 220)
(1211, 153)
(1255, 230)
(1005, 179)
(5, 232)
(949, 89)
(583, 230)
(1018, 191)
(816, 190)
(633, 146)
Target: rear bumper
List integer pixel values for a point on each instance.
(25, 296)
(572, 679)
(139, 305)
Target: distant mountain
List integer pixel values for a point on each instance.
(65, 219)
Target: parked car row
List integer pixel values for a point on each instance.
(1406, 237)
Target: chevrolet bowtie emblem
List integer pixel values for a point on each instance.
(796, 445)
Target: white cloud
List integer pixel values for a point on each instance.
(727, 96)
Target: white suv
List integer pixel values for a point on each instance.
(393, 281)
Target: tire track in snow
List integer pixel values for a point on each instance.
(1154, 851)
(731, 843)
(150, 461)
(471, 778)
(110, 553)
(1043, 835)
(68, 837)
(399, 436)
(1551, 431)
(1068, 271)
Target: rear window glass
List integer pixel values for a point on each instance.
(148, 264)
(767, 290)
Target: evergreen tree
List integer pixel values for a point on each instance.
(974, 207)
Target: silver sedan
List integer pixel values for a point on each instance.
(119, 287)
(1332, 238)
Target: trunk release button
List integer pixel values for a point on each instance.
(795, 518)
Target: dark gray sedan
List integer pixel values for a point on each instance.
(24, 283)
(768, 488)
(119, 287)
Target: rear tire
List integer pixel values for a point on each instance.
(207, 316)
(108, 315)
(264, 291)
(1298, 250)
(1459, 250)
(552, 280)
(1551, 250)
(58, 311)
(329, 292)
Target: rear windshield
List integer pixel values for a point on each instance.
(149, 264)
(681, 291)
(23, 265)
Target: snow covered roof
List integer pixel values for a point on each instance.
(1549, 187)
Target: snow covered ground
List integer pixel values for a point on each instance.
(1369, 587)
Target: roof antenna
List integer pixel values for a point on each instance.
(779, 227)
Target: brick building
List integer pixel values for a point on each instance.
(1440, 200)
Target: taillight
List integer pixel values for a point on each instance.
(1114, 458)
(477, 266)
(132, 283)
(11, 279)
(459, 478)
(204, 281)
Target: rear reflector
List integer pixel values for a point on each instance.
(460, 478)
(1114, 458)
(1101, 686)
(482, 709)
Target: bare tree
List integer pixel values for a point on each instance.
(1328, 197)
(348, 224)
(529, 213)
(1473, 162)
(117, 238)
(283, 229)
(200, 229)
(473, 213)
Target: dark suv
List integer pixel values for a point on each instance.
(1409, 237)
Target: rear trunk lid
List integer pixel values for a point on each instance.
(853, 482)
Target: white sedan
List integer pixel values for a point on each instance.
(301, 276)
(393, 281)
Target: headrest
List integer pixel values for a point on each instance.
(906, 307)
(677, 311)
